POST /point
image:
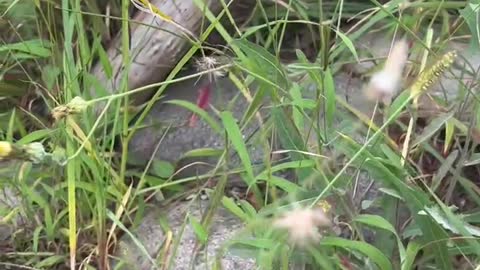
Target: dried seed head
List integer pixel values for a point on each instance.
(303, 225)
(209, 63)
(75, 106)
(385, 84)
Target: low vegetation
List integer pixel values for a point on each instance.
(394, 189)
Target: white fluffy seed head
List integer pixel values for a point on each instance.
(384, 85)
(303, 225)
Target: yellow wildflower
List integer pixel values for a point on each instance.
(6, 149)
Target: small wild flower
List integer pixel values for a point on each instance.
(303, 225)
(384, 85)
(6, 149)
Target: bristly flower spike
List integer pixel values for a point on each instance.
(429, 76)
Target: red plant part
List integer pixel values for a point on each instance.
(203, 100)
(346, 263)
(410, 44)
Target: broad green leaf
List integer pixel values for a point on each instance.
(290, 138)
(397, 103)
(260, 61)
(199, 230)
(49, 75)
(368, 250)
(454, 223)
(203, 152)
(284, 184)
(162, 169)
(449, 130)
(305, 163)
(432, 128)
(248, 209)
(104, 59)
(330, 97)
(36, 135)
(412, 250)
(471, 16)
(34, 47)
(297, 114)
(391, 192)
(50, 262)
(348, 43)
(380, 222)
(440, 217)
(391, 155)
(230, 205)
(235, 136)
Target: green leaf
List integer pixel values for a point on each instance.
(304, 163)
(448, 223)
(284, 184)
(348, 43)
(203, 152)
(34, 47)
(199, 230)
(261, 62)
(449, 130)
(36, 135)
(412, 250)
(330, 97)
(444, 169)
(432, 128)
(235, 136)
(230, 205)
(397, 103)
(50, 262)
(104, 59)
(248, 209)
(471, 15)
(162, 169)
(380, 222)
(290, 138)
(370, 251)
(49, 75)
(297, 111)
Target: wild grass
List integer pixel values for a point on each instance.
(75, 193)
